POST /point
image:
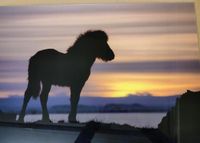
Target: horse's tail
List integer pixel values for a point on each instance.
(33, 80)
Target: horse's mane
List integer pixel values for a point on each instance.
(80, 41)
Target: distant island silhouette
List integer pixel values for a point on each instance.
(50, 67)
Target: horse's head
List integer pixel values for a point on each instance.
(93, 43)
(101, 49)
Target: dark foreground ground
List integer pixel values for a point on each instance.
(77, 133)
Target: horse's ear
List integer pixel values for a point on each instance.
(99, 34)
(96, 34)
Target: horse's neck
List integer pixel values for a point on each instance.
(84, 61)
(88, 62)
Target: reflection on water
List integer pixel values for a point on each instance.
(134, 119)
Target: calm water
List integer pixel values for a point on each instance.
(134, 119)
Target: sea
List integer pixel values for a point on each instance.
(148, 120)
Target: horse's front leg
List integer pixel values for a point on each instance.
(74, 98)
(43, 99)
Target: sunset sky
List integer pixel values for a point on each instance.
(156, 46)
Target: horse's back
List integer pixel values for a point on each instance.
(47, 53)
(46, 63)
(48, 57)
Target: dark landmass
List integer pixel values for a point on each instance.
(60, 103)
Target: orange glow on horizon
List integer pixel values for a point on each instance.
(157, 84)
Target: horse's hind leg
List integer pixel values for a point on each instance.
(43, 99)
(27, 97)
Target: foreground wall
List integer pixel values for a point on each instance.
(182, 122)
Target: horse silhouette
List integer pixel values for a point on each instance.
(50, 67)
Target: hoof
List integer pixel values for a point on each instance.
(72, 118)
(20, 120)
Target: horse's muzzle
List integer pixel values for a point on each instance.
(112, 56)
